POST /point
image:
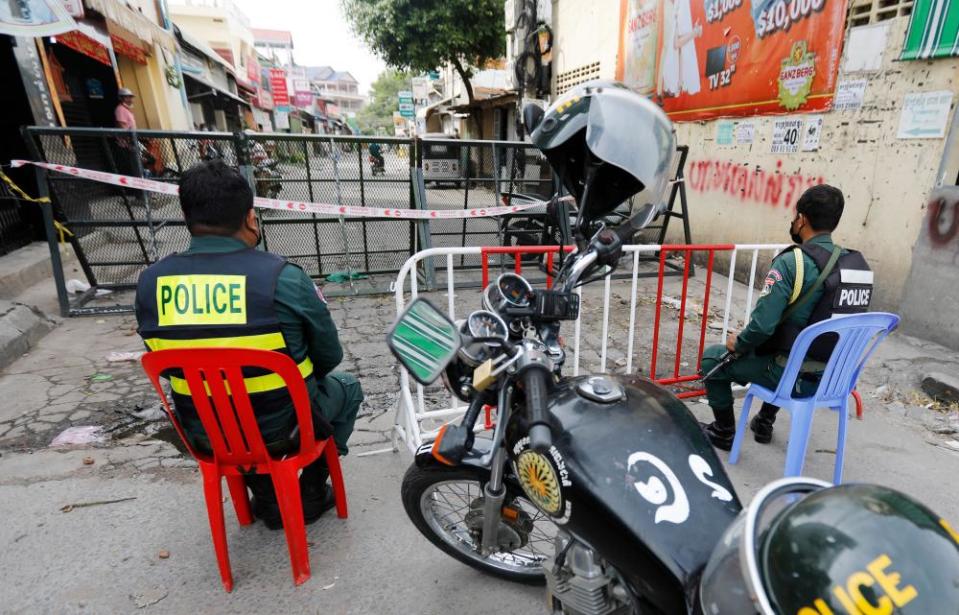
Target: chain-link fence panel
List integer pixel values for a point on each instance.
(466, 174)
(354, 253)
(120, 231)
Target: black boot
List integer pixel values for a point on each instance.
(762, 423)
(264, 504)
(316, 491)
(720, 436)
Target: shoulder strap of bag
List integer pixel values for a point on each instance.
(800, 274)
(833, 258)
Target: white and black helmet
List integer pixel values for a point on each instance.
(627, 139)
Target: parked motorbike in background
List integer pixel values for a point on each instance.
(153, 167)
(265, 173)
(604, 486)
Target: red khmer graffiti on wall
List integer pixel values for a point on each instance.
(749, 182)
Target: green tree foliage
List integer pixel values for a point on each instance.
(377, 116)
(421, 35)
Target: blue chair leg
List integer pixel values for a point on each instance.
(801, 421)
(841, 442)
(741, 429)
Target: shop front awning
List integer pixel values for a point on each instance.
(208, 89)
(134, 22)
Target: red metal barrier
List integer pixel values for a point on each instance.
(687, 250)
(518, 252)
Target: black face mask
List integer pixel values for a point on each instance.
(794, 236)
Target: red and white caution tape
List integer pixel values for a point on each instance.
(348, 211)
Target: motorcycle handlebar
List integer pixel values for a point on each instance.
(536, 385)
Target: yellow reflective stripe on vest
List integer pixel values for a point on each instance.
(256, 384)
(800, 273)
(265, 341)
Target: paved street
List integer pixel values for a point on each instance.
(106, 558)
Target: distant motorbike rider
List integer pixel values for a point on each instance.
(376, 155)
(792, 298)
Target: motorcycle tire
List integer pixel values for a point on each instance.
(419, 483)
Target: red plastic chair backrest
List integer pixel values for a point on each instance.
(230, 422)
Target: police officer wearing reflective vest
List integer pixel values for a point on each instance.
(807, 283)
(222, 292)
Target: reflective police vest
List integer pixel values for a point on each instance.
(216, 300)
(846, 290)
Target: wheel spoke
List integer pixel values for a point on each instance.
(445, 506)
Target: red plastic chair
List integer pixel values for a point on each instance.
(238, 446)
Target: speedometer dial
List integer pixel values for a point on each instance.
(482, 323)
(514, 289)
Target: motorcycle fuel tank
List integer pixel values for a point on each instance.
(633, 476)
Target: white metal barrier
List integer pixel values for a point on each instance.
(412, 408)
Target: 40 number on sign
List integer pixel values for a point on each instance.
(786, 136)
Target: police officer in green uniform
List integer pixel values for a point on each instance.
(790, 279)
(222, 292)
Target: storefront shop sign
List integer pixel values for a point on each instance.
(82, 43)
(127, 49)
(34, 83)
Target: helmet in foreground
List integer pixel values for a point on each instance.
(607, 143)
(848, 549)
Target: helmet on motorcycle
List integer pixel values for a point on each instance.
(846, 549)
(606, 135)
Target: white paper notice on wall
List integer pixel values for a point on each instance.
(745, 132)
(812, 133)
(863, 50)
(924, 115)
(786, 135)
(849, 95)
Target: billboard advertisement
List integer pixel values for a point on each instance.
(702, 59)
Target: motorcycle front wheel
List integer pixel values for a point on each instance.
(445, 505)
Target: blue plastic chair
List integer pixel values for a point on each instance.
(859, 335)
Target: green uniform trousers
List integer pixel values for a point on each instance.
(339, 399)
(749, 368)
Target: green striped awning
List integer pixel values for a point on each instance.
(933, 30)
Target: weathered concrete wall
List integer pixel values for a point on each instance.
(744, 193)
(930, 306)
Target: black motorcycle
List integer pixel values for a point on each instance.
(604, 486)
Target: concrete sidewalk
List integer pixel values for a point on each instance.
(105, 559)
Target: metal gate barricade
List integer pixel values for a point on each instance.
(118, 231)
(364, 253)
(704, 313)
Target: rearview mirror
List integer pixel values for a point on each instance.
(532, 116)
(424, 340)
